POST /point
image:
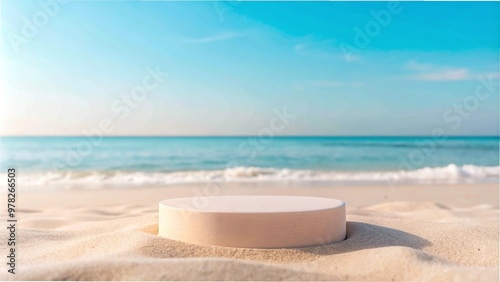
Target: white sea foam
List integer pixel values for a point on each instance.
(91, 179)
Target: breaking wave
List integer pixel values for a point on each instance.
(91, 179)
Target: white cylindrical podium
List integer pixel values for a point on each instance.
(253, 221)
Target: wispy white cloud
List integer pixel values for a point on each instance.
(324, 49)
(444, 75)
(324, 83)
(315, 84)
(416, 66)
(430, 72)
(212, 38)
(300, 47)
(352, 58)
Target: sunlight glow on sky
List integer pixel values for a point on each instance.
(229, 68)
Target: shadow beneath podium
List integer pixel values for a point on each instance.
(361, 236)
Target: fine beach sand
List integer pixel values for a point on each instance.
(426, 232)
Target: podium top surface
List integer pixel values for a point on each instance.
(252, 204)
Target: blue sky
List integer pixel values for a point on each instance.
(232, 66)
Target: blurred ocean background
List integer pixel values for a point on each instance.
(125, 161)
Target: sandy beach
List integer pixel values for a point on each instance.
(421, 232)
(113, 110)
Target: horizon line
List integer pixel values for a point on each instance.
(237, 136)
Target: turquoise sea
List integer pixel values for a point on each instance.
(77, 161)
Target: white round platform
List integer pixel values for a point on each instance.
(253, 221)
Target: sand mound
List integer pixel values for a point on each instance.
(391, 241)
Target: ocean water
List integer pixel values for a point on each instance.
(123, 161)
